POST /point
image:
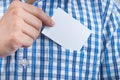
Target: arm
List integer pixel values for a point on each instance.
(20, 26)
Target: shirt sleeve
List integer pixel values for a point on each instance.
(110, 54)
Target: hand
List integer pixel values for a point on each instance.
(20, 26)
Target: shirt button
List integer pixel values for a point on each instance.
(24, 62)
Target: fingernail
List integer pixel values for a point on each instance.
(52, 22)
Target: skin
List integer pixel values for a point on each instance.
(20, 26)
(30, 1)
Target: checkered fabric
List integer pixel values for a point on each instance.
(98, 59)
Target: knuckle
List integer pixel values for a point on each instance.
(16, 23)
(38, 25)
(36, 35)
(29, 43)
(38, 10)
(16, 10)
(14, 38)
(15, 43)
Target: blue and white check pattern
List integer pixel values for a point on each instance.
(98, 59)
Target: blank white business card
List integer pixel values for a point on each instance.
(67, 32)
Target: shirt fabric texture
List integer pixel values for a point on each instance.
(98, 59)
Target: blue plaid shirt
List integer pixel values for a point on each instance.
(98, 59)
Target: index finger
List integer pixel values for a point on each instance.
(38, 13)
